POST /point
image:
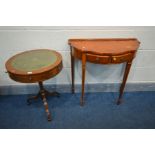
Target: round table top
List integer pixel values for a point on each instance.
(33, 62)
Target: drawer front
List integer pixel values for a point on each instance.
(122, 58)
(98, 59)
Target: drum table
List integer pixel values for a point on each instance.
(35, 66)
(103, 51)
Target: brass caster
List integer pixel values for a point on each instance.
(49, 118)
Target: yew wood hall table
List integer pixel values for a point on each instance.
(103, 51)
(35, 66)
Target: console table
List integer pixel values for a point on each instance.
(103, 51)
(35, 66)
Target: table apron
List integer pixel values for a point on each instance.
(32, 78)
(98, 59)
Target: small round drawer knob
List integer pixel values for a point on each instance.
(114, 59)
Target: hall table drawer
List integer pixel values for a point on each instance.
(122, 58)
(98, 59)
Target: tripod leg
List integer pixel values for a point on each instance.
(33, 98)
(52, 93)
(45, 101)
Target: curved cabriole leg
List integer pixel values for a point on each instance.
(46, 105)
(43, 96)
(83, 78)
(33, 98)
(47, 93)
(126, 73)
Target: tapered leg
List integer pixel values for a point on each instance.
(126, 73)
(43, 96)
(83, 77)
(72, 69)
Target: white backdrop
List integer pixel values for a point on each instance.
(17, 39)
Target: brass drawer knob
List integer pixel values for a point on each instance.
(114, 59)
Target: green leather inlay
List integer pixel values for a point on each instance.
(34, 60)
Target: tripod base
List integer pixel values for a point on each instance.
(42, 94)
